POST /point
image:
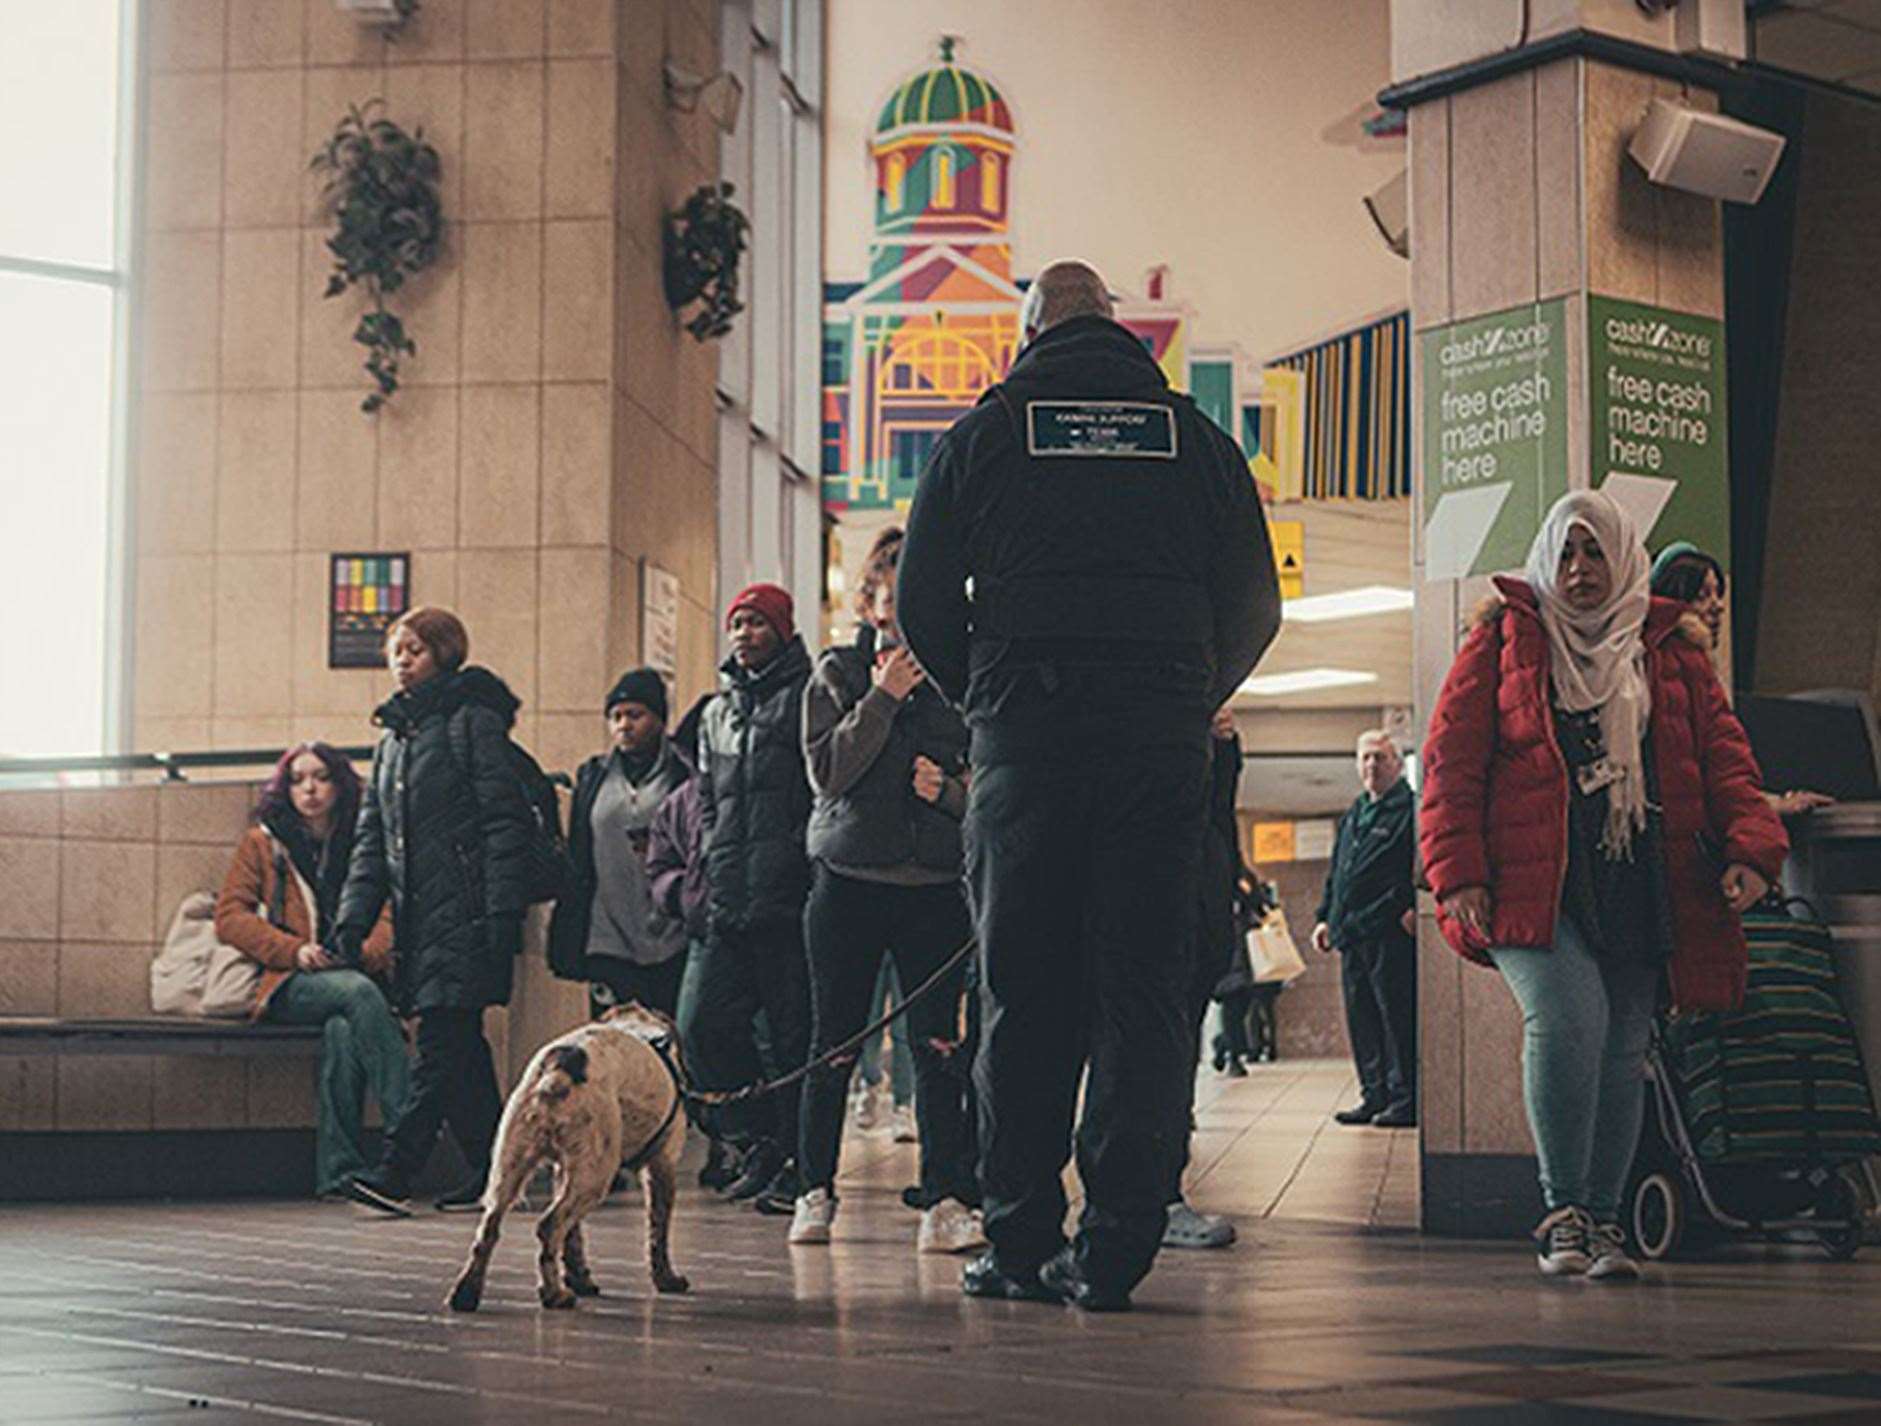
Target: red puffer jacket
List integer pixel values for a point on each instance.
(1495, 794)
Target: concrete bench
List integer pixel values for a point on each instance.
(153, 1035)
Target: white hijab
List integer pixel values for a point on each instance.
(1598, 656)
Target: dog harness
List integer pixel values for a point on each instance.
(663, 1047)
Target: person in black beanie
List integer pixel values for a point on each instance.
(607, 930)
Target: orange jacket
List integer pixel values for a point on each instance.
(250, 885)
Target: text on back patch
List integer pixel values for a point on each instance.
(1129, 430)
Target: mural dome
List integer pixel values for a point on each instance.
(945, 94)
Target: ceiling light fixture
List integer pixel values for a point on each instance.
(1307, 680)
(1347, 604)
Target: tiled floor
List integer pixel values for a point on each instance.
(1329, 1309)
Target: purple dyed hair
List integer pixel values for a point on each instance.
(276, 794)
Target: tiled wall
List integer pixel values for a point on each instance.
(1521, 191)
(555, 426)
(93, 877)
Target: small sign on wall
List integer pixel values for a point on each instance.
(659, 620)
(366, 593)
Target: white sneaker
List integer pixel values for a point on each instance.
(950, 1227)
(816, 1210)
(1563, 1238)
(901, 1120)
(1189, 1228)
(866, 1107)
(1606, 1247)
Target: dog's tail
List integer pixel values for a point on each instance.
(566, 1067)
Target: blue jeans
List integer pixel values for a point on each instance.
(1586, 1023)
(901, 1059)
(364, 1046)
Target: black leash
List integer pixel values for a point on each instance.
(719, 1098)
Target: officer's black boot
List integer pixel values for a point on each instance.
(983, 1277)
(1063, 1277)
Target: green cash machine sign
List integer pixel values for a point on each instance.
(1494, 436)
(1657, 433)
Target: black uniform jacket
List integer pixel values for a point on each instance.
(1370, 885)
(1085, 500)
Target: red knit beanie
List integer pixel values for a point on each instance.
(773, 603)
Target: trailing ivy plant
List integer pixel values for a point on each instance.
(382, 188)
(703, 242)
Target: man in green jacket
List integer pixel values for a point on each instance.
(1367, 916)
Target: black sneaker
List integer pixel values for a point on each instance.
(380, 1194)
(467, 1197)
(759, 1168)
(1358, 1114)
(1065, 1279)
(779, 1198)
(721, 1166)
(1397, 1117)
(983, 1277)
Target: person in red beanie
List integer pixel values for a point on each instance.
(754, 804)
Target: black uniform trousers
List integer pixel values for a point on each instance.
(742, 971)
(1380, 983)
(453, 1080)
(1083, 834)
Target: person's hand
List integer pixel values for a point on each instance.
(1470, 908)
(897, 674)
(928, 779)
(311, 957)
(1409, 920)
(1743, 886)
(1322, 938)
(1798, 801)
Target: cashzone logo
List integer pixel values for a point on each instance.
(1495, 341)
(1658, 334)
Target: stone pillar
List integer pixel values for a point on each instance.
(1525, 213)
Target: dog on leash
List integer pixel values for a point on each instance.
(596, 1098)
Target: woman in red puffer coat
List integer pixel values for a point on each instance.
(1592, 823)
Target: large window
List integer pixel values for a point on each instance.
(63, 87)
(771, 429)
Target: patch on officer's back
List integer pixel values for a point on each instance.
(1131, 430)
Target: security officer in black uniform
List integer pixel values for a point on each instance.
(1087, 571)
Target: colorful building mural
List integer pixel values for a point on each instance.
(911, 349)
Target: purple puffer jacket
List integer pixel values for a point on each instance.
(675, 863)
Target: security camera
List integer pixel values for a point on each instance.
(720, 95)
(1705, 153)
(1391, 212)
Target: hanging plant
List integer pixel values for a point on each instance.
(703, 241)
(382, 188)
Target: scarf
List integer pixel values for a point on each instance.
(1597, 656)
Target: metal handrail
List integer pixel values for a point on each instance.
(174, 766)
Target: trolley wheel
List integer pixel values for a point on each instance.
(1841, 1238)
(1660, 1215)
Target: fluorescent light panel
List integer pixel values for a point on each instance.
(1347, 604)
(1306, 680)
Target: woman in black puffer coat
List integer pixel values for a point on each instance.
(444, 833)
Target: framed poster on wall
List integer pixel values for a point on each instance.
(365, 594)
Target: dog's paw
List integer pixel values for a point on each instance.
(558, 1300)
(467, 1296)
(672, 1282)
